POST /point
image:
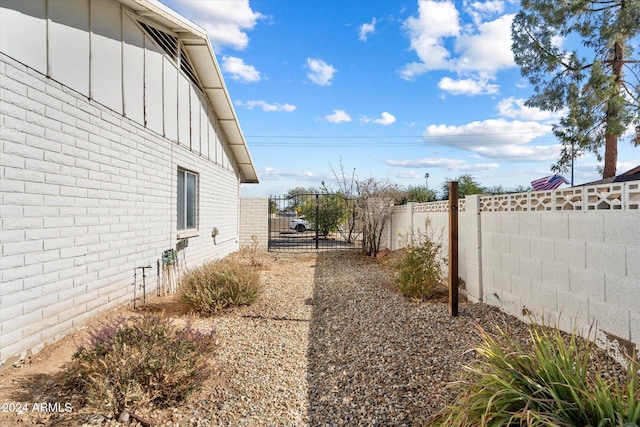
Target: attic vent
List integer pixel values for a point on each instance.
(169, 44)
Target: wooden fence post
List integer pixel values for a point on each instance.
(453, 248)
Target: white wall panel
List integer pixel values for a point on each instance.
(153, 82)
(211, 139)
(106, 54)
(204, 130)
(23, 32)
(184, 107)
(69, 43)
(170, 99)
(133, 70)
(196, 108)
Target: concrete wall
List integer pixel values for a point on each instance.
(569, 256)
(86, 196)
(254, 221)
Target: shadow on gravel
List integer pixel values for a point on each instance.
(367, 364)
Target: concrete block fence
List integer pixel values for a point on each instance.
(570, 256)
(254, 222)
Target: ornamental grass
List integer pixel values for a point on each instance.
(553, 383)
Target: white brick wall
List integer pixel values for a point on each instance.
(85, 197)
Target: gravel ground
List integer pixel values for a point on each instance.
(328, 343)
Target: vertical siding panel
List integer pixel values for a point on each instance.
(106, 54)
(69, 43)
(23, 32)
(153, 87)
(184, 105)
(170, 99)
(133, 70)
(196, 104)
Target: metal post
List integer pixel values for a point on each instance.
(269, 225)
(453, 248)
(135, 285)
(317, 215)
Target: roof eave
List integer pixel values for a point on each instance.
(202, 56)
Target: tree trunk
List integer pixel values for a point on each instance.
(611, 137)
(610, 156)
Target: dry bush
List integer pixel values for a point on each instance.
(421, 266)
(218, 285)
(134, 362)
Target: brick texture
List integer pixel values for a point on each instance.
(87, 196)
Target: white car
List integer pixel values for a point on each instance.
(299, 224)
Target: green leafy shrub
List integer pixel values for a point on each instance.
(421, 266)
(128, 363)
(551, 384)
(219, 285)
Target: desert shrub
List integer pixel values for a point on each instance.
(252, 255)
(219, 285)
(551, 384)
(128, 363)
(421, 267)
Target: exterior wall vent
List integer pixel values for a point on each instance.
(170, 45)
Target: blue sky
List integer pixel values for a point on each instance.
(391, 88)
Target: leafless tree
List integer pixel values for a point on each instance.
(374, 207)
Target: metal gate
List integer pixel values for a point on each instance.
(313, 222)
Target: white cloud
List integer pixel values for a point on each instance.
(487, 50)
(435, 21)
(240, 71)
(366, 29)
(487, 132)
(413, 69)
(338, 116)
(385, 119)
(521, 153)
(514, 108)
(435, 162)
(226, 21)
(481, 10)
(467, 87)
(287, 108)
(474, 52)
(407, 174)
(268, 173)
(496, 139)
(320, 72)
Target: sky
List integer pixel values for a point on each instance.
(385, 89)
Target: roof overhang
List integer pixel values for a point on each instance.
(199, 50)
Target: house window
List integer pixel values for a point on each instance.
(187, 200)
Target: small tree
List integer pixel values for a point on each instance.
(297, 196)
(418, 194)
(374, 207)
(348, 188)
(467, 185)
(329, 214)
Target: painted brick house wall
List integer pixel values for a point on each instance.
(87, 194)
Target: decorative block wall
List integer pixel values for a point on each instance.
(570, 256)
